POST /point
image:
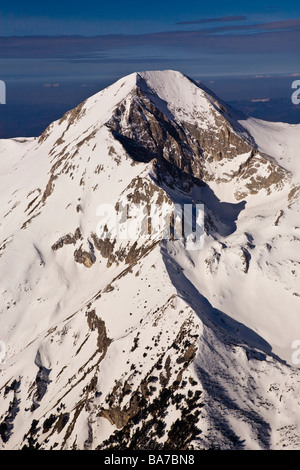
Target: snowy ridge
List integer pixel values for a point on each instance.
(114, 343)
(280, 140)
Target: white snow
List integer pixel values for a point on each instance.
(240, 292)
(280, 140)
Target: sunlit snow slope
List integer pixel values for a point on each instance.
(144, 343)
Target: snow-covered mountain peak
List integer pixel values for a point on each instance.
(111, 342)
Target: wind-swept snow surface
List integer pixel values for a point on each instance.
(111, 342)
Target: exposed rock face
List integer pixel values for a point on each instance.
(68, 239)
(155, 346)
(84, 257)
(147, 133)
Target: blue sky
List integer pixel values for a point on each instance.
(51, 47)
(131, 17)
(112, 38)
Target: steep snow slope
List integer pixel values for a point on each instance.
(114, 342)
(280, 140)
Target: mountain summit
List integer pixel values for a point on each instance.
(116, 342)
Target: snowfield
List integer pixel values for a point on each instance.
(146, 344)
